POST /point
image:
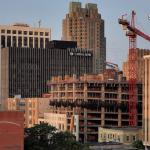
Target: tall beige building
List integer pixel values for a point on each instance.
(139, 64)
(23, 35)
(86, 26)
(18, 35)
(146, 103)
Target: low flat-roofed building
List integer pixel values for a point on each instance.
(11, 130)
(57, 120)
(121, 135)
(32, 107)
(111, 146)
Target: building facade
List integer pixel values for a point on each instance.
(146, 103)
(121, 135)
(57, 120)
(86, 26)
(33, 108)
(25, 71)
(22, 35)
(11, 130)
(139, 65)
(90, 102)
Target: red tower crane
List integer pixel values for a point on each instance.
(132, 33)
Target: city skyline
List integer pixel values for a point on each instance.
(51, 13)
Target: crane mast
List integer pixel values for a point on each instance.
(132, 74)
(132, 33)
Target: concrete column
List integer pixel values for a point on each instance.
(85, 125)
(58, 88)
(39, 42)
(22, 39)
(103, 109)
(66, 89)
(74, 93)
(119, 110)
(17, 40)
(28, 38)
(44, 41)
(5, 40)
(11, 41)
(33, 42)
(85, 112)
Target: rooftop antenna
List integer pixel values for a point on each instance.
(39, 22)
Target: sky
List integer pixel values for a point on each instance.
(51, 12)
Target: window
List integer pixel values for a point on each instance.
(134, 138)
(2, 31)
(118, 138)
(35, 33)
(30, 42)
(41, 33)
(25, 32)
(19, 41)
(127, 138)
(25, 41)
(41, 42)
(30, 33)
(36, 42)
(14, 41)
(63, 127)
(19, 32)
(14, 31)
(59, 126)
(8, 41)
(8, 31)
(46, 34)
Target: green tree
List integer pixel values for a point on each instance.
(138, 144)
(46, 137)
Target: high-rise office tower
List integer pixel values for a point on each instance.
(25, 71)
(86, 26)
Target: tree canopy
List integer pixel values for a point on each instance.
(47, 137)
(138, 144)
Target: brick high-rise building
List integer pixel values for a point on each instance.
(139, 64)
(86, 26)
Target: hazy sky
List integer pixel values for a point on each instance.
(51, 12)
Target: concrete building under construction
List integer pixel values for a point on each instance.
(91, 101)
